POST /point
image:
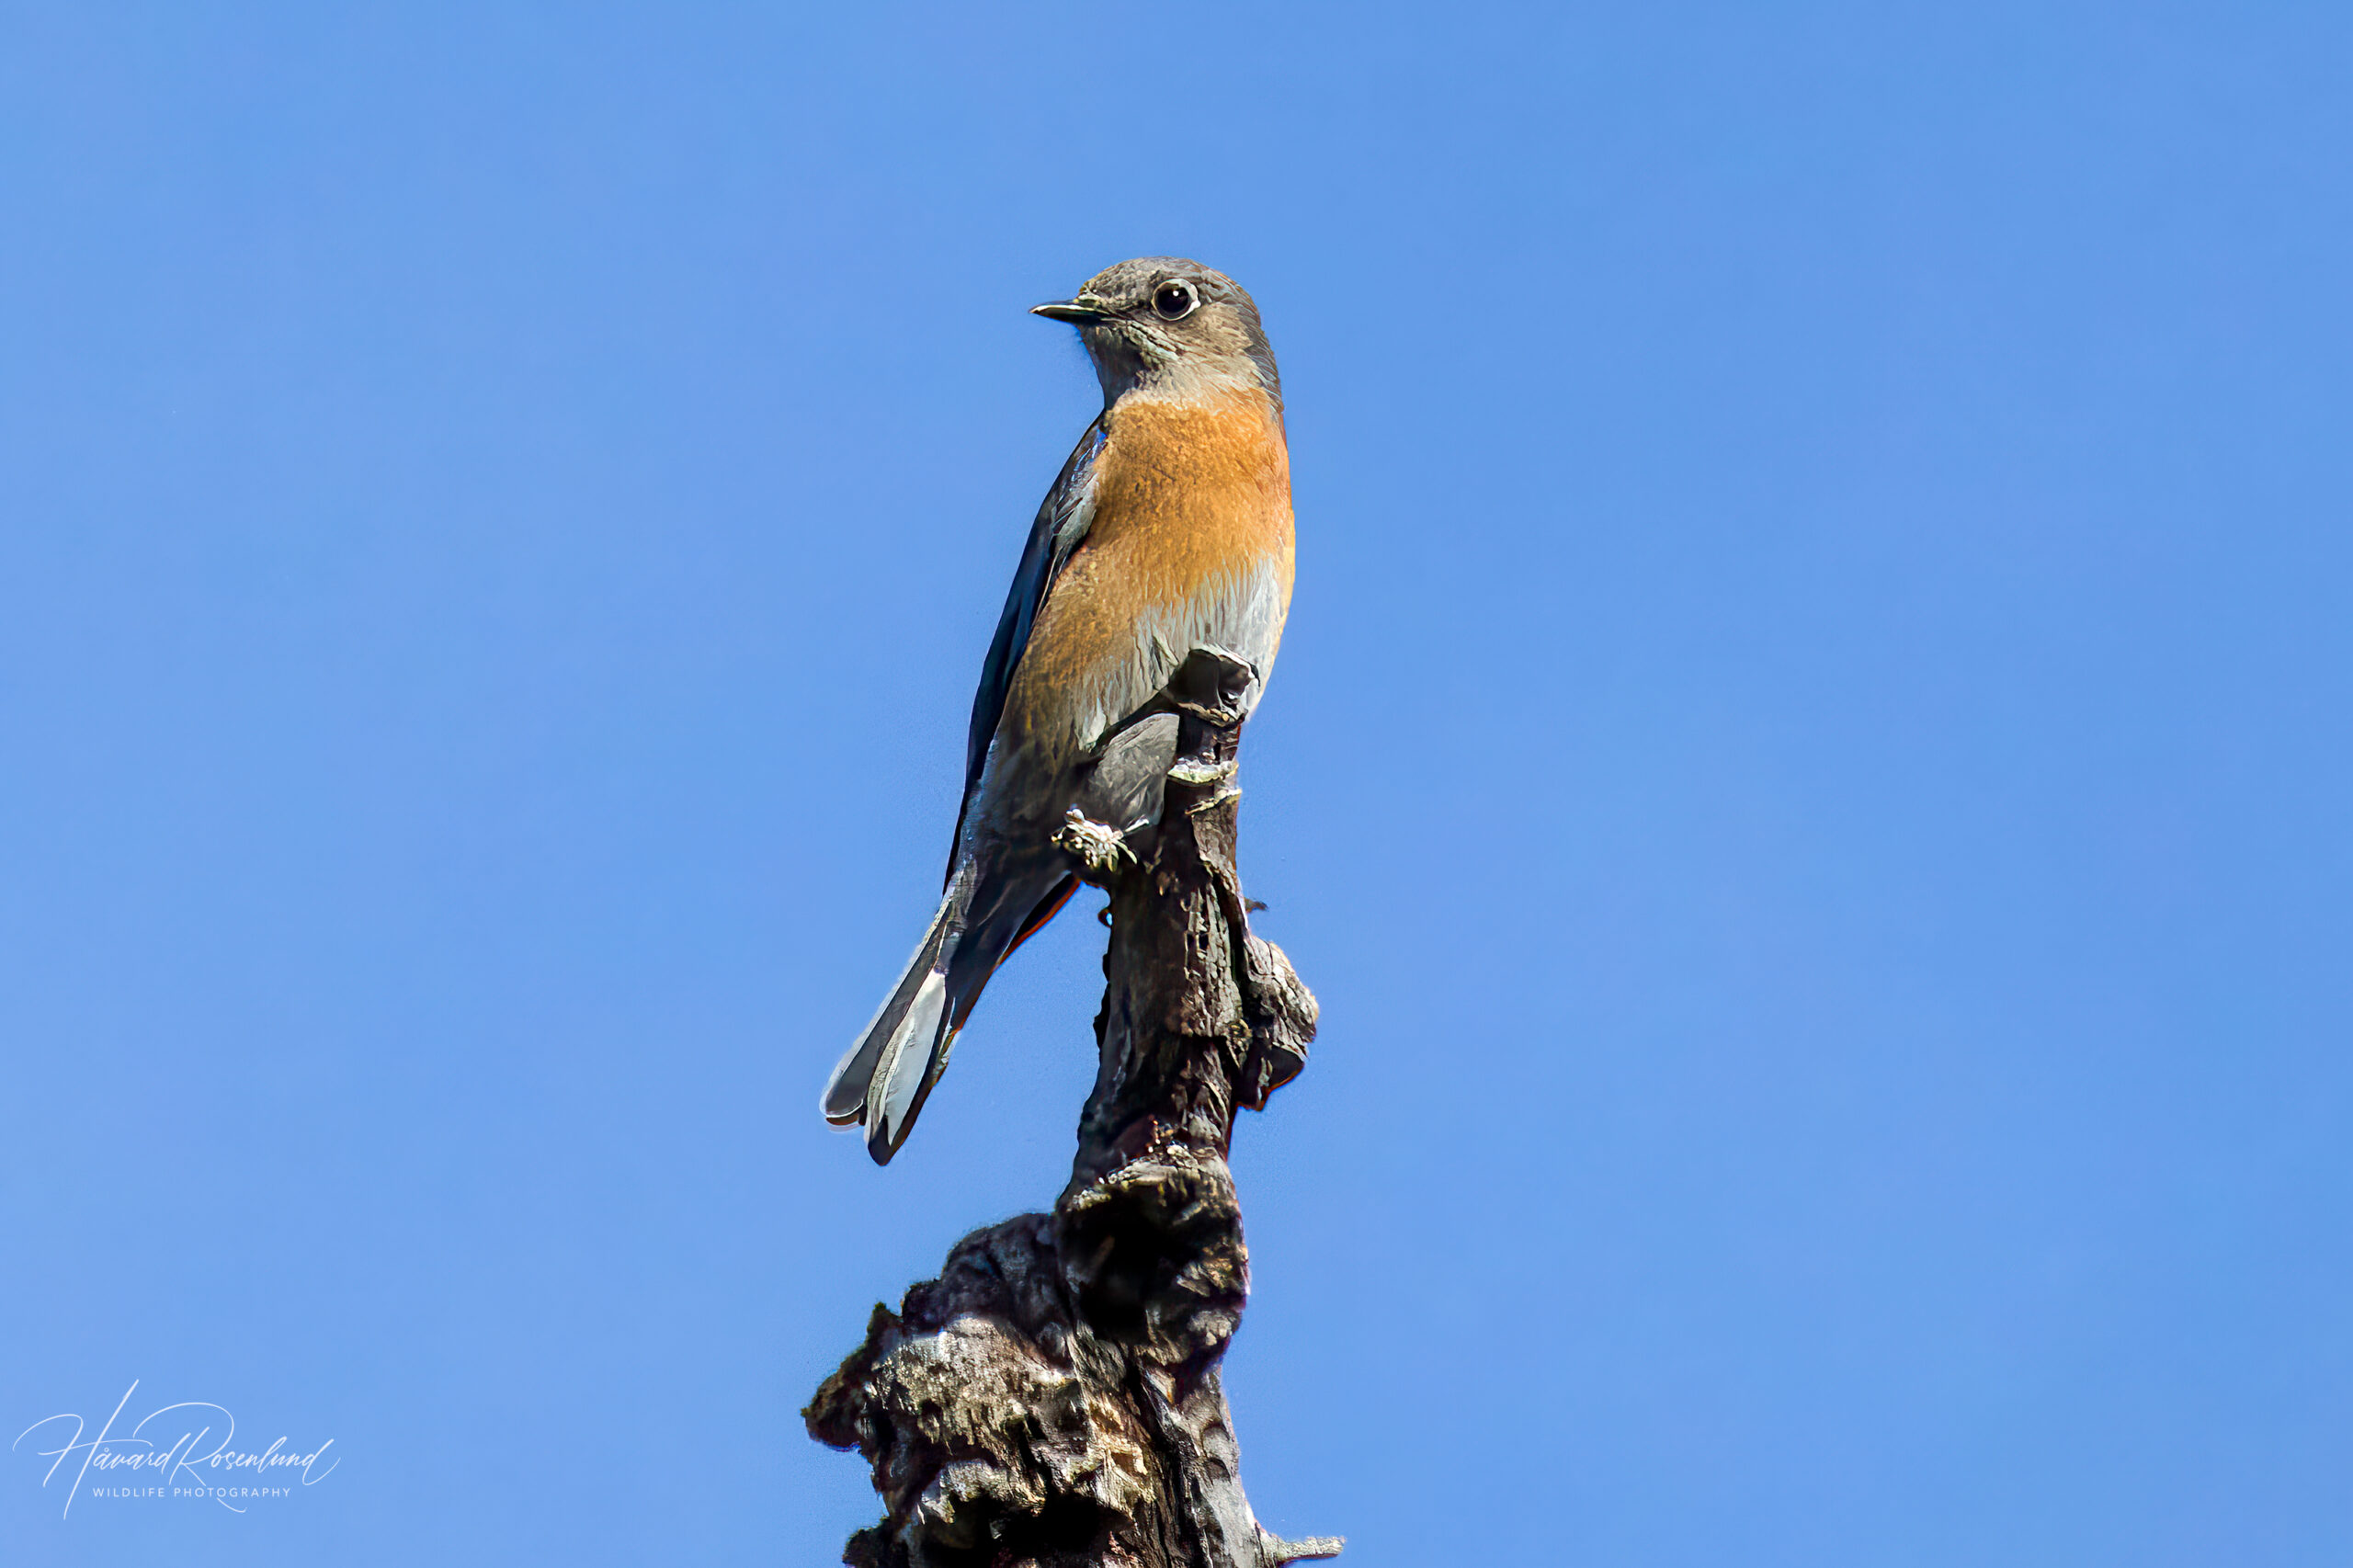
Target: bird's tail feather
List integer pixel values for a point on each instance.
(851, 1091)
(912, 1062)
(887, 1075)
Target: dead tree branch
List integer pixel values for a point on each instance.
(1053, 1400)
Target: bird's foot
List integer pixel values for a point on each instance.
(1099, 846)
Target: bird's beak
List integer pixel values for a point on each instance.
(1084, 311)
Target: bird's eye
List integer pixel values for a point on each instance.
(1173, 299)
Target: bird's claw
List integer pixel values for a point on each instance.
(1099, 846)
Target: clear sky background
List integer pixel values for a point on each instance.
(1809, 769)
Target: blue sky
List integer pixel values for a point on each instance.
(1808, 768)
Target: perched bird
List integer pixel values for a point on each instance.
(1168, 531)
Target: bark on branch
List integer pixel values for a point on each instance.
(1053, 1400)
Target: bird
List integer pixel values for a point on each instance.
(1168, 531)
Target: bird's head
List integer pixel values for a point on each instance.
(1164, 325)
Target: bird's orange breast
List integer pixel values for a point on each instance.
(1192, 503)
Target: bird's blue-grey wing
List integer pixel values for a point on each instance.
(884, 1078)
(1061, 523)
